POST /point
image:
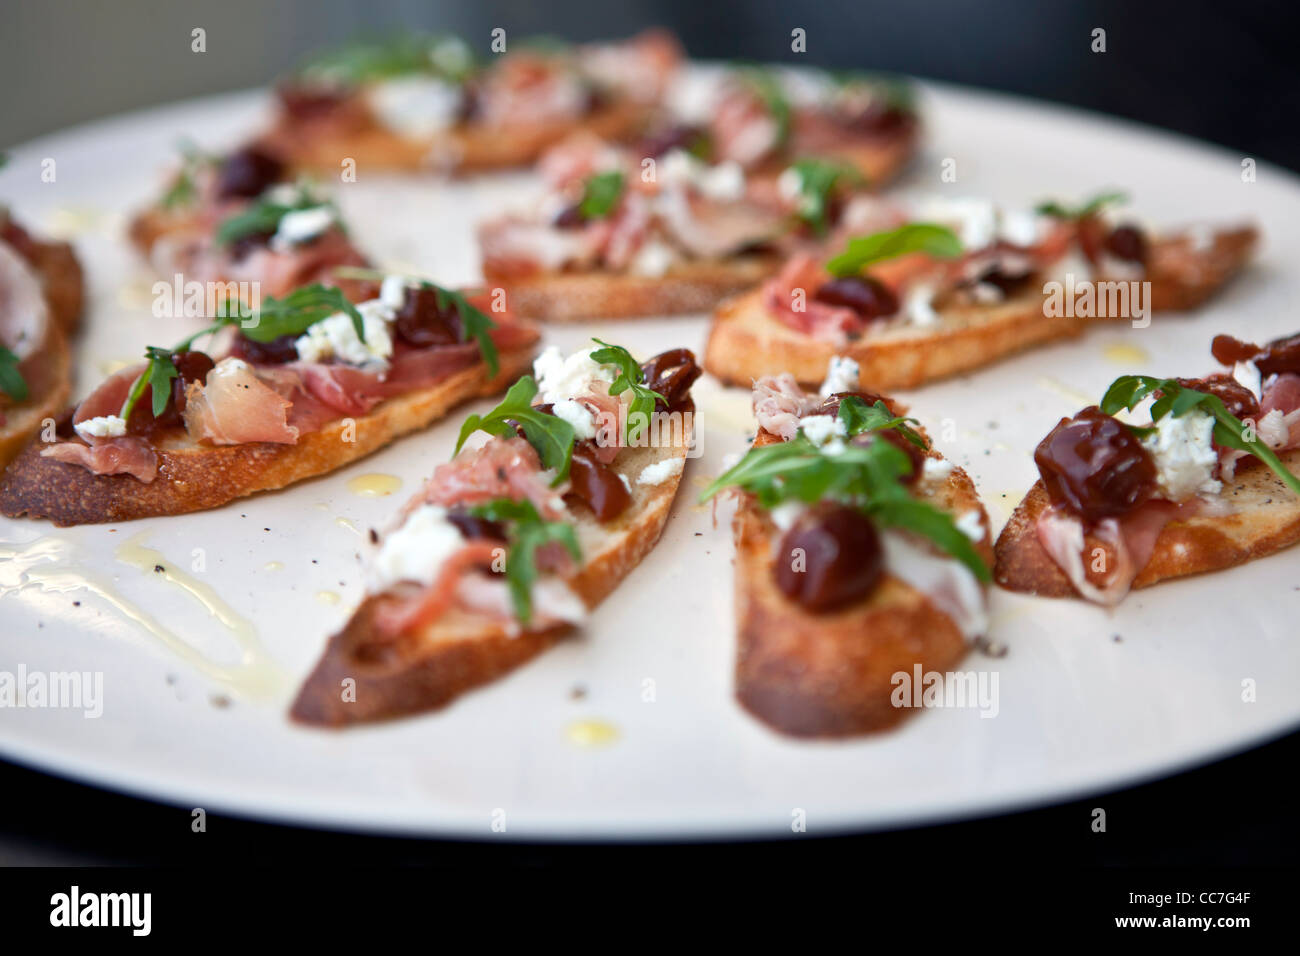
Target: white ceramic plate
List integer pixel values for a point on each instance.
(187, 719)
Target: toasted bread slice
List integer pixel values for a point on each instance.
(464, 148)
(745, 342)
(686, 287)
(1184, 274)
(195, 477)
(1265, 519)
(62, 280)
(462, 650)
(50, 381)
(830, 675)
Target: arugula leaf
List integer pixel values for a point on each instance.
(473, 323)
(370, 59)
(1094, 205)
(528, 532)
(553, 437)
(600, 194)
(866, 477)
(859, 417)
(767, 87)
(11, 380)
(817, 180)
(184, 189)
(298, 311)
(934, 240)
(264, 214)
(162, 370)
(630, 376)
(1177, 400)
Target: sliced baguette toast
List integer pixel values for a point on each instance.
(195, 477)
(1265, 519)
(830, 675)
(51, 384)
(745, 342)
(1184, 276)
(686, 287)
(462, 650)
(464, 148)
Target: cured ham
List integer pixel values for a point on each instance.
(506, 468)
(125, 455)
(234, 407)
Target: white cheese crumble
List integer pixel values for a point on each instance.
(559, 378)
(824, 431)
(102, 426)
(1184, 456)
(1022, 227)
(1247, 375)
(661, 471)
(229, 366)
(417, 550)
(577, 415)
(392, 292)
(937, 469)
(725, 181)
(653, 259)
(415, 107)
(971, 525)
(301, 225)
(787, 513)
(335, 337)
(918, 305)
(974, 220)
(841, 376)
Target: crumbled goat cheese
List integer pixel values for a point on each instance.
(971, 525)
(1247, 376)
(335, 337)
(415, 107)
(301, 225)
(937, 469)
(841, 376)
(974, 220)
(559, 378)
(1022, 227)
(787, 513)
(417, 550)
(104, 426)
(918, 305)
(392, 292)
(661, 471)
(653, 259)
(577, 415)
(1184, 456)
(725, 181)
(824, 431)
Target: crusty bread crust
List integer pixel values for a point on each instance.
(1183, 276)
(1266, 519)
(463, 650)
(21, 422)
(195, 477)
(63, 282)
(467, 147)
(829, 675)
(686, 287)
(745, 342)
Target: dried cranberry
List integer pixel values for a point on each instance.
(421, 322)
(247, 244)
(1278, 356)
(472, 527)
(570, 217)
(304, 101)
(1236, 398)
(596, 484)
(831, 405)
(1128, 243)
(868, 297)
(248, 172)
(1094, 466)
(672, 374)
(1006, 279)
(831, 556)
(681, 136)
(275, 352)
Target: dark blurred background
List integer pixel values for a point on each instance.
(1225, 72)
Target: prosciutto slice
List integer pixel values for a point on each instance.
(126, 455)
(507, 468)
(234, 406)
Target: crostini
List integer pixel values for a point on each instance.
(861, 553)
(766, 118)
(950, 285)
(41, 295)
(1208, 483)
(654, 229)
(234, 220)
(299, 388)
(508, 545)
(415, 102)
